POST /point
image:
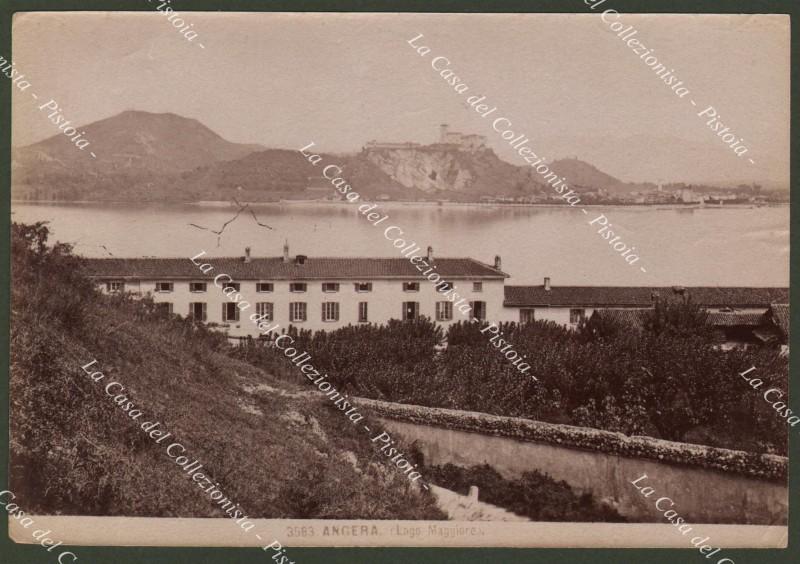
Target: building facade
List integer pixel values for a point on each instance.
(307, 292)
(320, 293)
(568, 305)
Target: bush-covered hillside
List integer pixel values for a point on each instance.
(273, 447)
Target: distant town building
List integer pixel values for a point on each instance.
(319, 188)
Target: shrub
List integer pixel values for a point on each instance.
(533, 495)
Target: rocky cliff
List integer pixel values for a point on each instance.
(442, 170)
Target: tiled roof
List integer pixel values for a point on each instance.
(639, 296)
(735, 319)
(276, 269)
(636, 318)
(780, 316)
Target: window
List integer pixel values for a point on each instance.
(264, 310)
(297, 311)
(164, 307)
(330, 287)
(444, 311)
(230, 312)
(363, 312)
(164, 286)
(297, 287)
(477, 286)
(197, 310)
(363, 286)
(197, 286)
(444, 286)
(478, 310)
(576, 315)
(234, 285)
(330, 311)
(411, 287)
(115, 286)
(527, 315)
(410, 310)
(265, 287)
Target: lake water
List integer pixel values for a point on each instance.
(709, 247)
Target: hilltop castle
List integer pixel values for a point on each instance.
(447, 140)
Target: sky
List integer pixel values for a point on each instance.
(566, 81)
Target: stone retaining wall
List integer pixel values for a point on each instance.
(707, 484)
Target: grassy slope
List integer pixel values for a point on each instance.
(278, 454)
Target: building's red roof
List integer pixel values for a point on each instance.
(275, 269)
(639, 296)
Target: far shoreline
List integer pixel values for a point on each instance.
(436, 204)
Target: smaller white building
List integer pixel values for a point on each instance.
(569, 305)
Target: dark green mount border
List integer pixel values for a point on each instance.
(11, 553)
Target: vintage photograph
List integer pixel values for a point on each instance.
(356, 279)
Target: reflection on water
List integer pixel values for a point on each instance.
(743, 246)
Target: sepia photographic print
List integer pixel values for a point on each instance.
(285, 280)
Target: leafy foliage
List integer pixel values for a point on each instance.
(668, 380)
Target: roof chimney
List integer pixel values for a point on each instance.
(247, 254)
(547, 283)
(443, 132)
(300, 260)
(286, 251)
(430, 254)
(498, 264)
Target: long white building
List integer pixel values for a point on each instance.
(328, 293)
(308, 292)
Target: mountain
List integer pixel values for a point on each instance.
(143, 140)
(135, 151)
(144, 156)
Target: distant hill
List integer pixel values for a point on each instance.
(144, 156)
(141, 140)
(138, 153)
(580, 173)
(273, 174)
